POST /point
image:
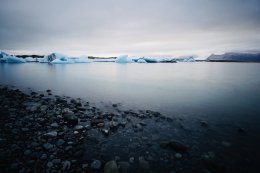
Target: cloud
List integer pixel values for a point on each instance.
(147, 27)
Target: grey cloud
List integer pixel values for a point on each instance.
(129, 26)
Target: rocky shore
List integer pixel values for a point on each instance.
(40, 132)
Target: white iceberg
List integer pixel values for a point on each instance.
(5, 58)
(81, 59)
(51, 57)
(63, 60)
(122, 59)
(141, 60)
(30, 59)
(189, 59)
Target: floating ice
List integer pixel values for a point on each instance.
(51, 57)
(5, 58)
(122, 59)
(104, 60)
(141, 60)
(81, 59)
(30, 59)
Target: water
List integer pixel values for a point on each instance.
(226, 95)
(232, 89)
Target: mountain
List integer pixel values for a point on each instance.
(235, 57)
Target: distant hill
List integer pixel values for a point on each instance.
(235, 57)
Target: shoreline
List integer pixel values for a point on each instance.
(45, 133)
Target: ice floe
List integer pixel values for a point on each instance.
(5, 58)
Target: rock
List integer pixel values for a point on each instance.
(95, 122)
(49, 164)
(123, 167)
(111, 167)
(142, 123)
(131, 159)
(43, 156)
(76, 132)
(96, 164)
(60, 142)
(105, 132)
(113, 125)
(51, 134)
(100, 125)
(66, 165)
(47, 146)
(175, 145)
(178, 155)
(226, 144)
(70, 118)
(84, 166)
(54, 125)
(27, 152)
(56, 161)
(203, 123)
(25, 129)
(78, 127)
(144, 165)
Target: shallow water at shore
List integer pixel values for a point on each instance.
(213, 108)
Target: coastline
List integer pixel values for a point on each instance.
(46, 133)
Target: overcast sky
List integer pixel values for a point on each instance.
(133, 27)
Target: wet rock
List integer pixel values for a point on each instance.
(54, 125)
(43, 156)
(95, 122)
(144, 165)
(60, 142)
(66, 165)
(96, 165)
(47, 146)
(131, 159)
(105, 132)
(178, 155)
(78, 127)
(113, 125)
(203, 123)
(111, 167)
(226, 144)
(123, 167)
(49, 164)
(52, 134)
(175, 145)
(70, 118)
(56, 161)
(27, 152)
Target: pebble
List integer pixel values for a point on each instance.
(96, 164)
(60, 142)
(178, 155)
(47, 146)
(131, 159)
(66, 165)
(51, 134)
(111, 167)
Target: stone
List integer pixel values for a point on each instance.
(123, 167)
(95, 122)
(49, 164)
(226, 144)
(175, 145)
(131, 159)
(47, 146)
(70, 118)
(96, 165)
(105, 132)
(203, 123)
(111, 167)
(52, 134)
(178, 155)
(60, 142)
(144, 165)
(54, 125)
(66, 165)
(84, 166)
(43, 156)
(78, 127)
(56, 161)
(27, 152)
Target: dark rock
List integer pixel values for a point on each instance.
(111, 167)
(175, 145)
(96, 165)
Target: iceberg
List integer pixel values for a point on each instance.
(51, 57)
(141, 60)
(63, 60)
(30, 59)
(5, 58)
(81, 59)
(122, 59)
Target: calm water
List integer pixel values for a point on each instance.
(218, 91)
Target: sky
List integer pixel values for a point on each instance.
(133, 27)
